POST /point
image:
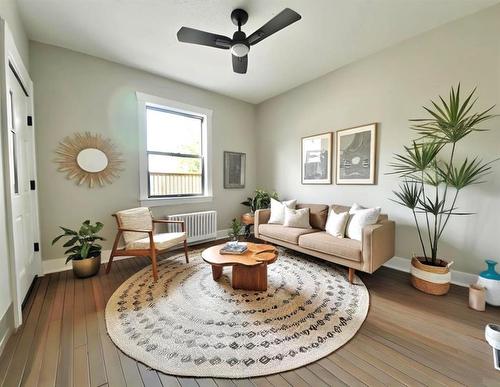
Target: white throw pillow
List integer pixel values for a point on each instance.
(336, 223)
(359, 219)
(278, 210)
(297, 218)
(356, 207)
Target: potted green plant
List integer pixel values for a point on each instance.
(433, 177)
(84, 252)
(261, 199)
(235, 230)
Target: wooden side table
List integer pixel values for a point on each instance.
(248, 220)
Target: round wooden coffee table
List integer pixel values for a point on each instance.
(249, 268)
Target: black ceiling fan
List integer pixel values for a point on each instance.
(240, 43)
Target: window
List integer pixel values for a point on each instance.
(174, 151)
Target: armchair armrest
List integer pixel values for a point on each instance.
(168, 221)
(378, 244)
(261, 217)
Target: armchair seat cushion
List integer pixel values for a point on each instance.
(162, 241)
(285, 234)
(328, 244)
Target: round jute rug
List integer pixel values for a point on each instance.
(187, 324)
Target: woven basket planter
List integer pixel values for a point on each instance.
(430, 279)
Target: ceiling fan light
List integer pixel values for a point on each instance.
(239, 49)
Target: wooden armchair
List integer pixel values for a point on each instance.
(136, 226)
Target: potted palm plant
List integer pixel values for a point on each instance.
(433, 178)
(84, 252)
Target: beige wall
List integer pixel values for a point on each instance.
(10, 12)
(76, 92)
(389, 88)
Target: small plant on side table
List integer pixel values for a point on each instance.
(83, 250)
(235, 230)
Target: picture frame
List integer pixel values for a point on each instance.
(234, 170)
(356, 155)
(316, 159)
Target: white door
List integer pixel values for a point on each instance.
(22, 180)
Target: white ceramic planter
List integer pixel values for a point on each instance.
(492, 290)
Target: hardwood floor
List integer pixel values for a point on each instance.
(409, 338)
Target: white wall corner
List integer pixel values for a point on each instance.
(459, 278)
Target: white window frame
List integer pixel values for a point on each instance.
(145, 100)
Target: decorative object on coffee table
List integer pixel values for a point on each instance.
(356, 155)
(235, 230)
(84, 252)
(316, 159)
(430, 186)
(234, 169)
(187, 324)
(249, 269)
(490, 280)
(89, 159)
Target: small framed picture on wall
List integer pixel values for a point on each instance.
(316, 159)
(356, 155)
(234, 169)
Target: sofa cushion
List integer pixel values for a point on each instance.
(285, 234)
(317, 214)
(328, 244)
(297, 218)
(278, 210)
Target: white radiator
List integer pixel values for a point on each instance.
(200, 226)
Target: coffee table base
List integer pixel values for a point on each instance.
(245, 277)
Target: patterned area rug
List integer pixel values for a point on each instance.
(189, 325)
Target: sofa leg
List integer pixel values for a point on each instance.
(351, 275)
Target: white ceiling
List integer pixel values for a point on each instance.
(142, 34)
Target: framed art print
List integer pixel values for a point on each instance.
(356, 148)
(316, 159)
(234, 169)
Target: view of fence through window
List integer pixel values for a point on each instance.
(175, 153)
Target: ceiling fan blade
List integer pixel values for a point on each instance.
(240, 64)
(191, 35)
(280, 21)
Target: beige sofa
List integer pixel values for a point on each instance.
(376, 247)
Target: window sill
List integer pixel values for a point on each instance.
(158, 202)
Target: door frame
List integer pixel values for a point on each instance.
(11, 61)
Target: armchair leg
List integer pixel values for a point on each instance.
(186, 251)
(108, 266)
(113, 251)
(153, 263)
(351, 275)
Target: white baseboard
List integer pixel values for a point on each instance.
(59, 264)
(459, 278)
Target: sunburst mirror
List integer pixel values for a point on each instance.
(89, 159)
